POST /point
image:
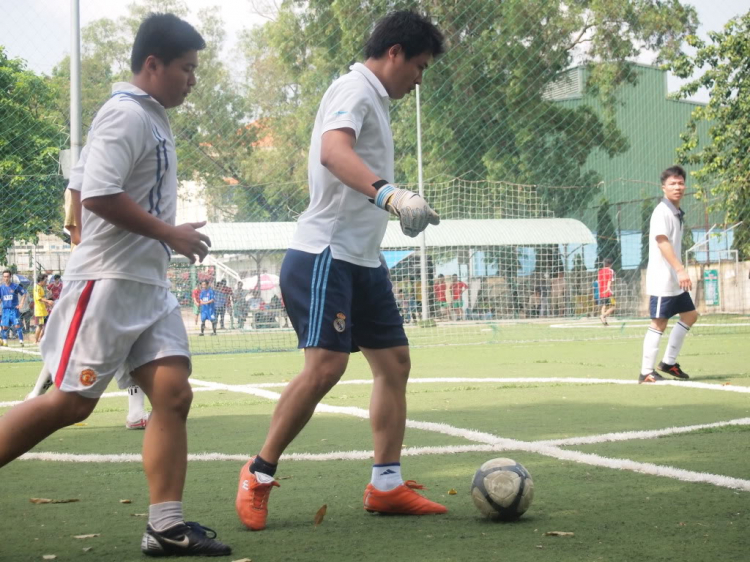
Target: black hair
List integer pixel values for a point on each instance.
(414, 32)
(673, 171)
(41, 277)
(607, 261)
(56, 277)
(165, 36)
(8, 271)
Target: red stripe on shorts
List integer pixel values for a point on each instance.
(75, 325)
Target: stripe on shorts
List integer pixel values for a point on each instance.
(75, 325)
(317, 295)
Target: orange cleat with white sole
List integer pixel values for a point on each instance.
(252, 497)
(403, 500)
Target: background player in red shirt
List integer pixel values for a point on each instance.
(606, 278)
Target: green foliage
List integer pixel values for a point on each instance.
(607, 241)
(485, 115)
(725, 161)
(30, 140)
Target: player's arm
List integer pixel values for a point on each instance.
(338, 156)
(666, 249)
(73, 214)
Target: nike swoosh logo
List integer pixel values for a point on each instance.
(184, 542)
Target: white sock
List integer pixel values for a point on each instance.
(650, 349)
(386, 477)
(163, 515)
(43, 380)
(135, 403)
(676, 338)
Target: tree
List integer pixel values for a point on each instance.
(212, 136)
(724, 161)
(30, 141)
(608, 244)
(485, 115)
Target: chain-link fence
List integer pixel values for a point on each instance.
(544, 129)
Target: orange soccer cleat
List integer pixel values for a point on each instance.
(252, 497)
(402, 500)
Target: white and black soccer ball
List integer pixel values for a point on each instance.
(502, 489)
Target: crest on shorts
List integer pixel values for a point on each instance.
(88, 377)
(339, 324)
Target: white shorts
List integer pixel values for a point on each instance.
(110, 327)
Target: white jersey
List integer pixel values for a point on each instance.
(661, 278)
(130, 149)
(339, 216)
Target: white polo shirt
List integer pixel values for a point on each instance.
(130, 149)
(339, 216)
(661, 279)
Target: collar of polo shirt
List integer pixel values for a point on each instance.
(371, 78)
(132, 90)
(679, 213)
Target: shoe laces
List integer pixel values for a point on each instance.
(261, 493)
(414, 485)
(199, 529)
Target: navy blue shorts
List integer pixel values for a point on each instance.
(339, 306)
(666, 307)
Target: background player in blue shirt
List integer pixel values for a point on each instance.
(9, 293)
(208, 308)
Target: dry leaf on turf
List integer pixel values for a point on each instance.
(558, 534)
(46, 500)
(139, 514)
(91, 536)
(242, 560)
(87, 549)
(320, 514)
(81, 424)
(452, 492)
(283, 477)
(126, 501)
(49, 557)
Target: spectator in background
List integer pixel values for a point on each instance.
(606, 279)
(535, 303)
(228, 294)
(208, 307)
(11, 317)
(55, 287)
(240, 304)
(440, 289)
(557, 294)
(26, 310)
(457, 292)
(196, 294)
(41, 302)
(220, 300)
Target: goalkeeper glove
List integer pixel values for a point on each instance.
(412, 210)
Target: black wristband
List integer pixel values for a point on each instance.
(380, 183)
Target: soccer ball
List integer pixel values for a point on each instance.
(502, 489)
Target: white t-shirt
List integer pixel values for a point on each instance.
(130, 149)
(339, 216)
(661, 279)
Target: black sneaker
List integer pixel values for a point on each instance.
(673, 370)
(653, 376)
(183, 539)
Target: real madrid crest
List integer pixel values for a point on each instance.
(339, 323)
(88, 377)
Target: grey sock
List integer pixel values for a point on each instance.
(163, 515)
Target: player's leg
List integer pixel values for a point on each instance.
(19, 328)
(659, 319)
(682, 305)
(4, 333)
(162, 366)
(30, 422)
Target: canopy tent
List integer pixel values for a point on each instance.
(252, 237)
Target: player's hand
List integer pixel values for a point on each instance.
(684, 280)
(186, 240)
(411, 209)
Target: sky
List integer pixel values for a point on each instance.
(39, 30)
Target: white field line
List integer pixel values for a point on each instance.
(19, 350)
(118, 394)
(489, 443)
(614, 324)
(630, 435)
